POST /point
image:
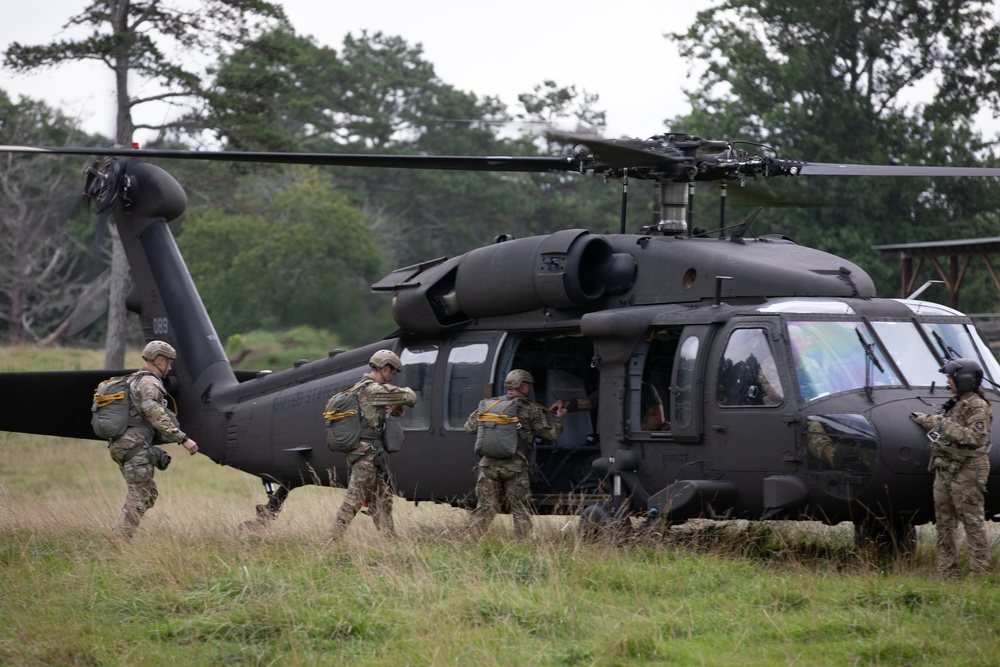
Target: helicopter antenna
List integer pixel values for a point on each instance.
(743, 227)
(920, 290)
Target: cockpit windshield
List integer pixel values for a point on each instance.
(831, 357)
(835, 356)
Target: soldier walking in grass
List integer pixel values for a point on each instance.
(504, 470)
(149, 420)
(371, 478)
(960, 442)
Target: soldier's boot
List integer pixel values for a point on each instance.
(126, 524)
(336, 533)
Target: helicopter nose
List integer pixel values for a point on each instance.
(903, 445)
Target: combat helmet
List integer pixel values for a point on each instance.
(383, 357)
(966, 373)
(157, 348)
(516, 377)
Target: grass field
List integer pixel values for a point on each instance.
(193, 589)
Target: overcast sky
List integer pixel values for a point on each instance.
(614, 50)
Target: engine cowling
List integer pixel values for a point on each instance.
(571, 269)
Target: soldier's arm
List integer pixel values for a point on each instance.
(152, 410)
(971, 427)
(472, 423)
(544, 426)
(390, 395)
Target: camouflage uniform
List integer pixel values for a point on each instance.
(149, 418)
(371, 480)
(511, 476)
(960, 464)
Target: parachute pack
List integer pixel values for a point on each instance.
(344, 420)
(110, 410)
(497, 435)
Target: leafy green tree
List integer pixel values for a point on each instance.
(304, 257)
(152, 40)
(826, 83)
(379, 94)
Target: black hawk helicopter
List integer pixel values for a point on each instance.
(786, 382)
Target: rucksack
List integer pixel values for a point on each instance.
(497, 435)
(344, 420)
(110, 410)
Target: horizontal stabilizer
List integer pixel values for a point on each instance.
(53, 403)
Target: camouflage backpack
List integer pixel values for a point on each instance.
(497, 435)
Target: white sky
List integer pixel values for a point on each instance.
(614, 50)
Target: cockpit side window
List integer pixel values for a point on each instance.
(748, 374)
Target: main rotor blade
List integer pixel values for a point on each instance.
(828, 169)
(615, 153)
(451, 162)
(624, 152)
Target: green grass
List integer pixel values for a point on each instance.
(193, 589)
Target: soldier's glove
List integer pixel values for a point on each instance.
(924, 419)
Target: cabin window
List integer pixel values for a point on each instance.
(748, 374)
(649, 381)
(684, 402)
(418, 375)
(464, 382)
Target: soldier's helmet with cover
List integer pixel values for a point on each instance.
(157, 348)
(383, 357)
(966, 373)
(516, 377)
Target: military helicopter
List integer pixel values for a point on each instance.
(786, 382)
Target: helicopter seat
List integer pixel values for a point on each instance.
(559, 459)
(563, 385)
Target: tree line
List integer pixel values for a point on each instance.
(276, 246)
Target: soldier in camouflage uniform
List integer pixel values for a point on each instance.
(960, 437)
(149, 418)
(498, 477)
(371, 479)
